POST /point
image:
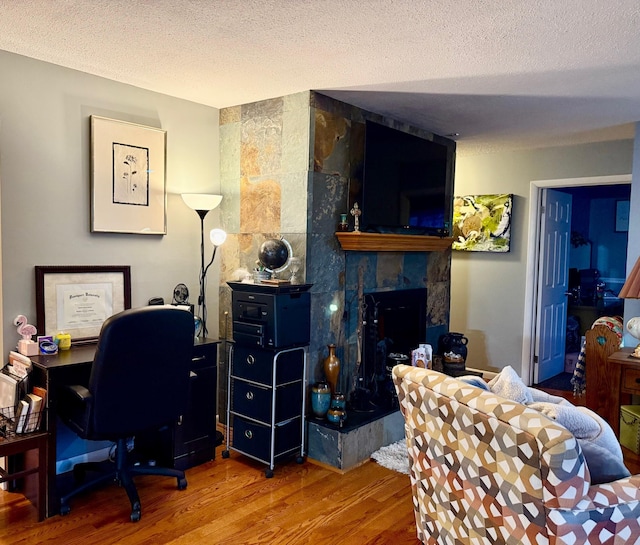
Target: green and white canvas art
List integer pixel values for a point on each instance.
(482, 223)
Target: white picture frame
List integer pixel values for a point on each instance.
(128, 181)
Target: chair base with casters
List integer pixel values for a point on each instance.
(123, 474)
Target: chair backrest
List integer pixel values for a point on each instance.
(483, 468)
(600, 342)
(140, 374)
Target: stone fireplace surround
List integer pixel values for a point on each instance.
(287, 166)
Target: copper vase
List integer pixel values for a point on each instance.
(332, 368)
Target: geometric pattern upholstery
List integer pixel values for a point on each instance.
(488, 470)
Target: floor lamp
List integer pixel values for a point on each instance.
(202, 203)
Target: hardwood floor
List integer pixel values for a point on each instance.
(229, 501)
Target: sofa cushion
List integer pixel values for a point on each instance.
(599, 445)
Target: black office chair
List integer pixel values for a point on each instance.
(139, 381)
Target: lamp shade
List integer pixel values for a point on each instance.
(201, 201)
(631, 288)
(217, 237)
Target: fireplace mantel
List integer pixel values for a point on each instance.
(386, 242)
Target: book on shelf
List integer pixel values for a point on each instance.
(39, 391)
(22, 411)
(275, 282)
(33, 414)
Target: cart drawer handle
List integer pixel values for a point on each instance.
(250, 359)
(249, 396)
(248, 434)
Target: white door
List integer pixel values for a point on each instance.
(553, 273)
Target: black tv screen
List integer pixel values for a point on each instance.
(407, 182)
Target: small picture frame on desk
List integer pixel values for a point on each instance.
(77, 299)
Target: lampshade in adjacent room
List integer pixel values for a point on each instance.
(631, 288)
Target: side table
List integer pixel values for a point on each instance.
(21, 444)
(624, 379)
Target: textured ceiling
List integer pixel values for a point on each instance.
(501, 73)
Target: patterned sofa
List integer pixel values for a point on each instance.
(485, 469)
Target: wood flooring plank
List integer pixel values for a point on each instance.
(230, 502)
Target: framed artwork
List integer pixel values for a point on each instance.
(78, 299)
(482, 223)
(622, 216)
(127, 178)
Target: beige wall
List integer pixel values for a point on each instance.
(488, 290)
(45, 172)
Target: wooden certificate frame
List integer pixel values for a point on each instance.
(77, 299)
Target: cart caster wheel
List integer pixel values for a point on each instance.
(268, 473)
(300, 460)
(182, 484)
(225, 453)
(135, 515)
(65, 509)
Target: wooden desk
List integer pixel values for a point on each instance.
(51, 372)
(192, 442)
(624, 374)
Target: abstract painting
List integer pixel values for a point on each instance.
(482, 223)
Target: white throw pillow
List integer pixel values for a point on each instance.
(508, 383)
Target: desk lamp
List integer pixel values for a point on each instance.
(631, 290)
(202, 203)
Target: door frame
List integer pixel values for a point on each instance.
(533, 257)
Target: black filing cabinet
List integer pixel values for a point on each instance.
(192, 440)
(267, 370)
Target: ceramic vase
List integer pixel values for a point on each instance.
(332, 368)
(336, 415)
(320, 399)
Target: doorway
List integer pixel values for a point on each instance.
(530, 332)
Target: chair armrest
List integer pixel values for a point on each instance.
(78, 391)
(74, 407)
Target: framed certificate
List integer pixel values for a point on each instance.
(78, 299)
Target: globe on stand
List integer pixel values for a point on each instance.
(274, 255)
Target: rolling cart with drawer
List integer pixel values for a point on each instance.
(267, 372)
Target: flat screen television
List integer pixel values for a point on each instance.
(407, 184)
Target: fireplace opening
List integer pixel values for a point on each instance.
(394, 323)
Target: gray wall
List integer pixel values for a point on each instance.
(45, 177)
(488, 290)
(632, 306)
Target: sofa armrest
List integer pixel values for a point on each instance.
(612, 494)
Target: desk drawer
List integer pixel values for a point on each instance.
(631, 381)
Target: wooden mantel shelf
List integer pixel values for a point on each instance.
(379, 242)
